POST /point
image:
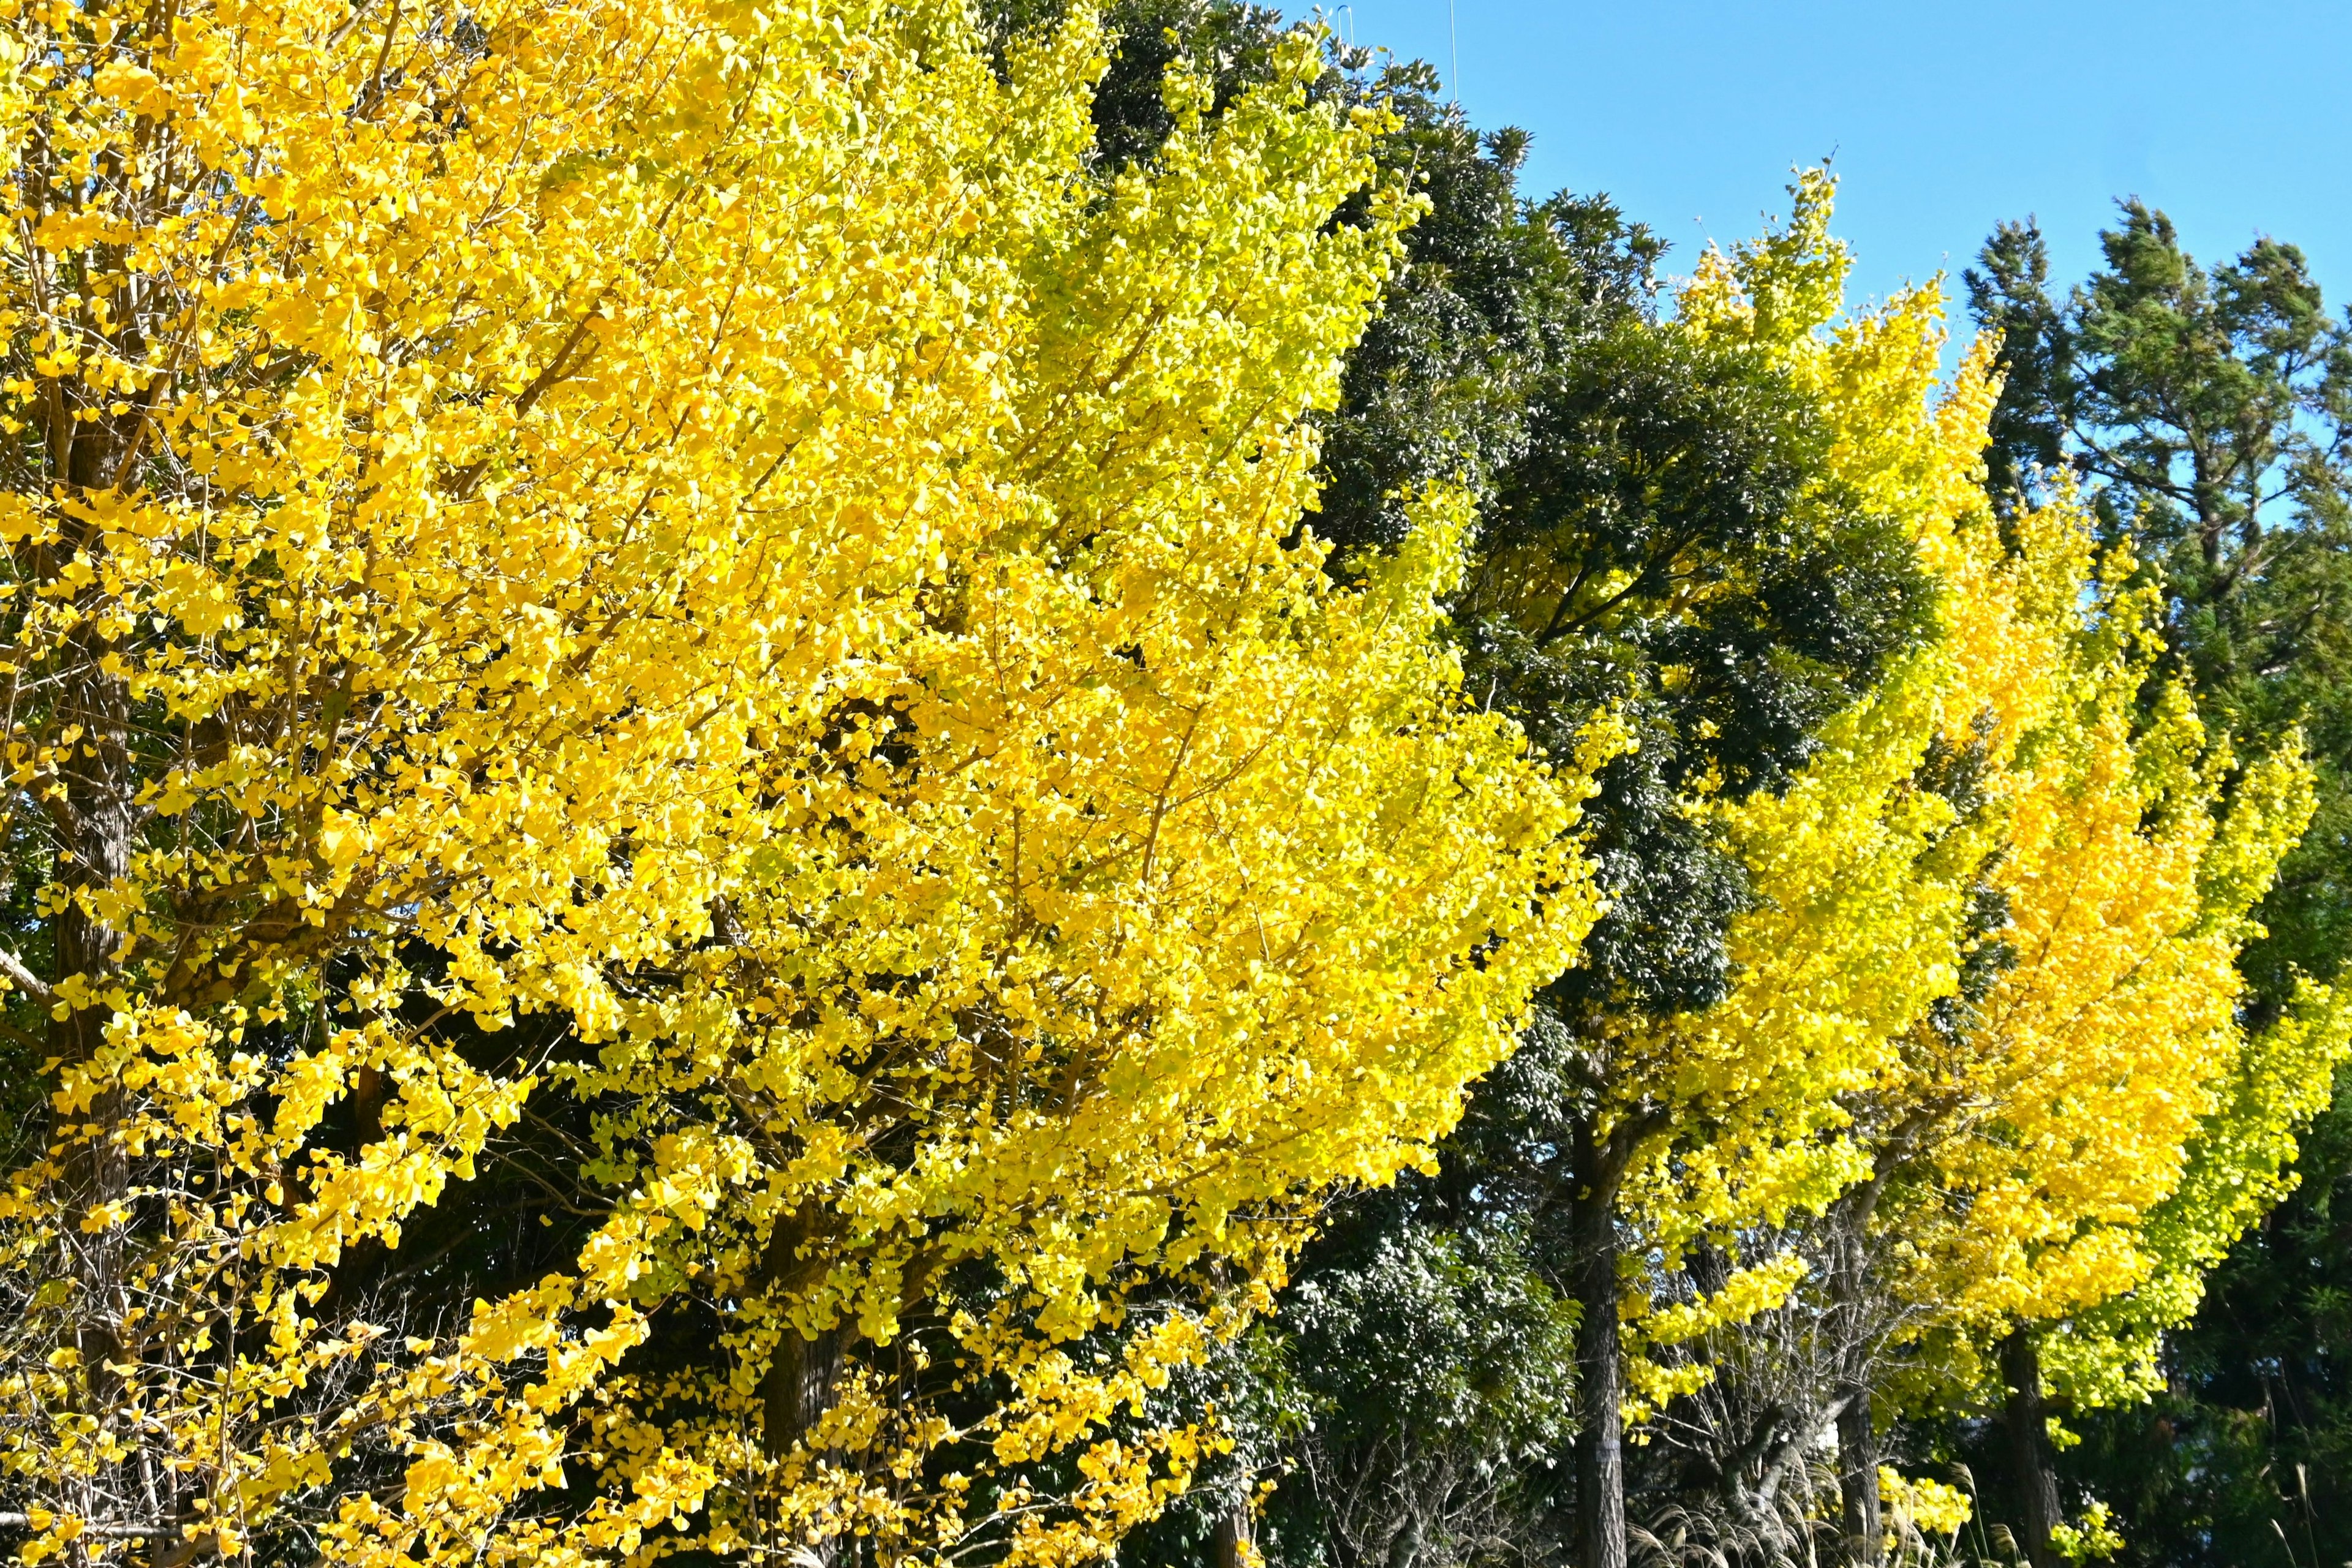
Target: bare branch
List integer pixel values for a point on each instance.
(32, 985)
(99, 1531)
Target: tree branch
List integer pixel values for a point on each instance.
(24, 980)
(100, 1531)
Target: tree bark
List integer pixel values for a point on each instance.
(1404, 1546)
(1235, 1534)
(96, 824)
(1862, 1527)
(798, 1389)
(2029, 1449)
(794, 1396)
(1860, 1524)
(1598, 1168)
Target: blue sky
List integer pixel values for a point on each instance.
(2236, 119)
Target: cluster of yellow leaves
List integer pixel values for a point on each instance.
(1163, 898)
(1922, 1507)
(2047, 1129)
(1859, 887)
(713, 524)
(1987, 990)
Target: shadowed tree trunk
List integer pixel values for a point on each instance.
(2029, 1449)
(1860, 1527)
(94, 819)
(798, 1389)
(1598, 1172)
(794, 1395)
(1859, 1521)
(1234, 1532)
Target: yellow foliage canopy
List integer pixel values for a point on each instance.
(713, 525)
(1987, 995)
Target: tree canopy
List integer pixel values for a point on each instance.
(891, 783)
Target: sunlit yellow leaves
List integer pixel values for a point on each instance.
(1990, 978)
(2056, 1122)
(711, 538)
(1860, 878)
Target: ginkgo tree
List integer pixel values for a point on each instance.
(2024, 1137)
(1702, 1109)
(1167, 886)
(2022, 1147)
(407, 552)
(1994, 944)
(713, 530)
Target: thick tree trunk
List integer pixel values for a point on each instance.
(798, 1389)
(1864, 1532)
(1233, 1536)
(1600, 1433)
(90, 800)
(794, 1396)
(2029, 1449)
(1404, 1546)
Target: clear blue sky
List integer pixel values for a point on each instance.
(2236, 118)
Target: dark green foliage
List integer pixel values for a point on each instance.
(1495, 297)
(24, 1049)
(2011, 297)
(1410, 1402)
(1430, 1364)
(1658, 474)
(1231, 44)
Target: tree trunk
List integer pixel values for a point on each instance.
(1864, 1532)
(1860, 1525)
(1404, 1546)
(1235, 1534)
(794, 1396)
(798, 1389)
(1600, 1432)
(96, 826)
(2029, 1448)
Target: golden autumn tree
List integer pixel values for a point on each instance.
(1698, 1097)
(2021, 1135)
(2101, 1123)
(404, 557)
(711, 528)
(2050, 873)
(1992, 933)
(1985, 996)
(1857, 891)
(1166, 887)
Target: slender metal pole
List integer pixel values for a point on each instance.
(1453, 38)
